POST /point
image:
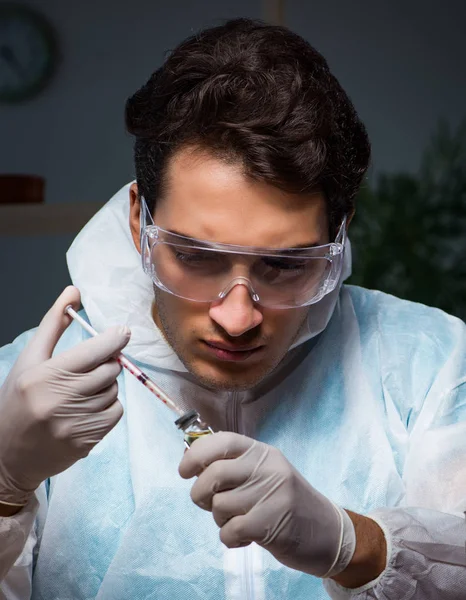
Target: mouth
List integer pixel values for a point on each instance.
(229, 352)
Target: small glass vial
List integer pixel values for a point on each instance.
(192, 427)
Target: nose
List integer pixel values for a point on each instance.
(236, 313)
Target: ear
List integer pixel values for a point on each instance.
(134, 212)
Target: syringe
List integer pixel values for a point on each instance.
(188, 422)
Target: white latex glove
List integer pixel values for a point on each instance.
(256, 495)
(53, 411)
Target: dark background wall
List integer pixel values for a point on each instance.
(401, 62)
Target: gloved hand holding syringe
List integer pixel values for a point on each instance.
(189, 422)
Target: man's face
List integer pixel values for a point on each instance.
(234, 343)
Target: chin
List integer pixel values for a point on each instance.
(218, 379)
(227, 385)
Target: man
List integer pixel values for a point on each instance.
(338, 463)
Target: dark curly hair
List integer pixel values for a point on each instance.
(258, 94)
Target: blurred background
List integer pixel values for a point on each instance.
(401, 61)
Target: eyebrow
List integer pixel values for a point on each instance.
(297, 247)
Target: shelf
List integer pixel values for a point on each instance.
(45, 219)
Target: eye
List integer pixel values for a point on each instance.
(191, 257)
(276, 271)
(198, 259)
(284, 264)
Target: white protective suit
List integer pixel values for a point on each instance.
(369, 405)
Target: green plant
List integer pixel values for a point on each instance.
(409, 232)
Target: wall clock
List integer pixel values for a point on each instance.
(28, 52)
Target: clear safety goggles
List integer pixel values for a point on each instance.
(204, 271)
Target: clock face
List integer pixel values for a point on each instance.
(27, 53)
